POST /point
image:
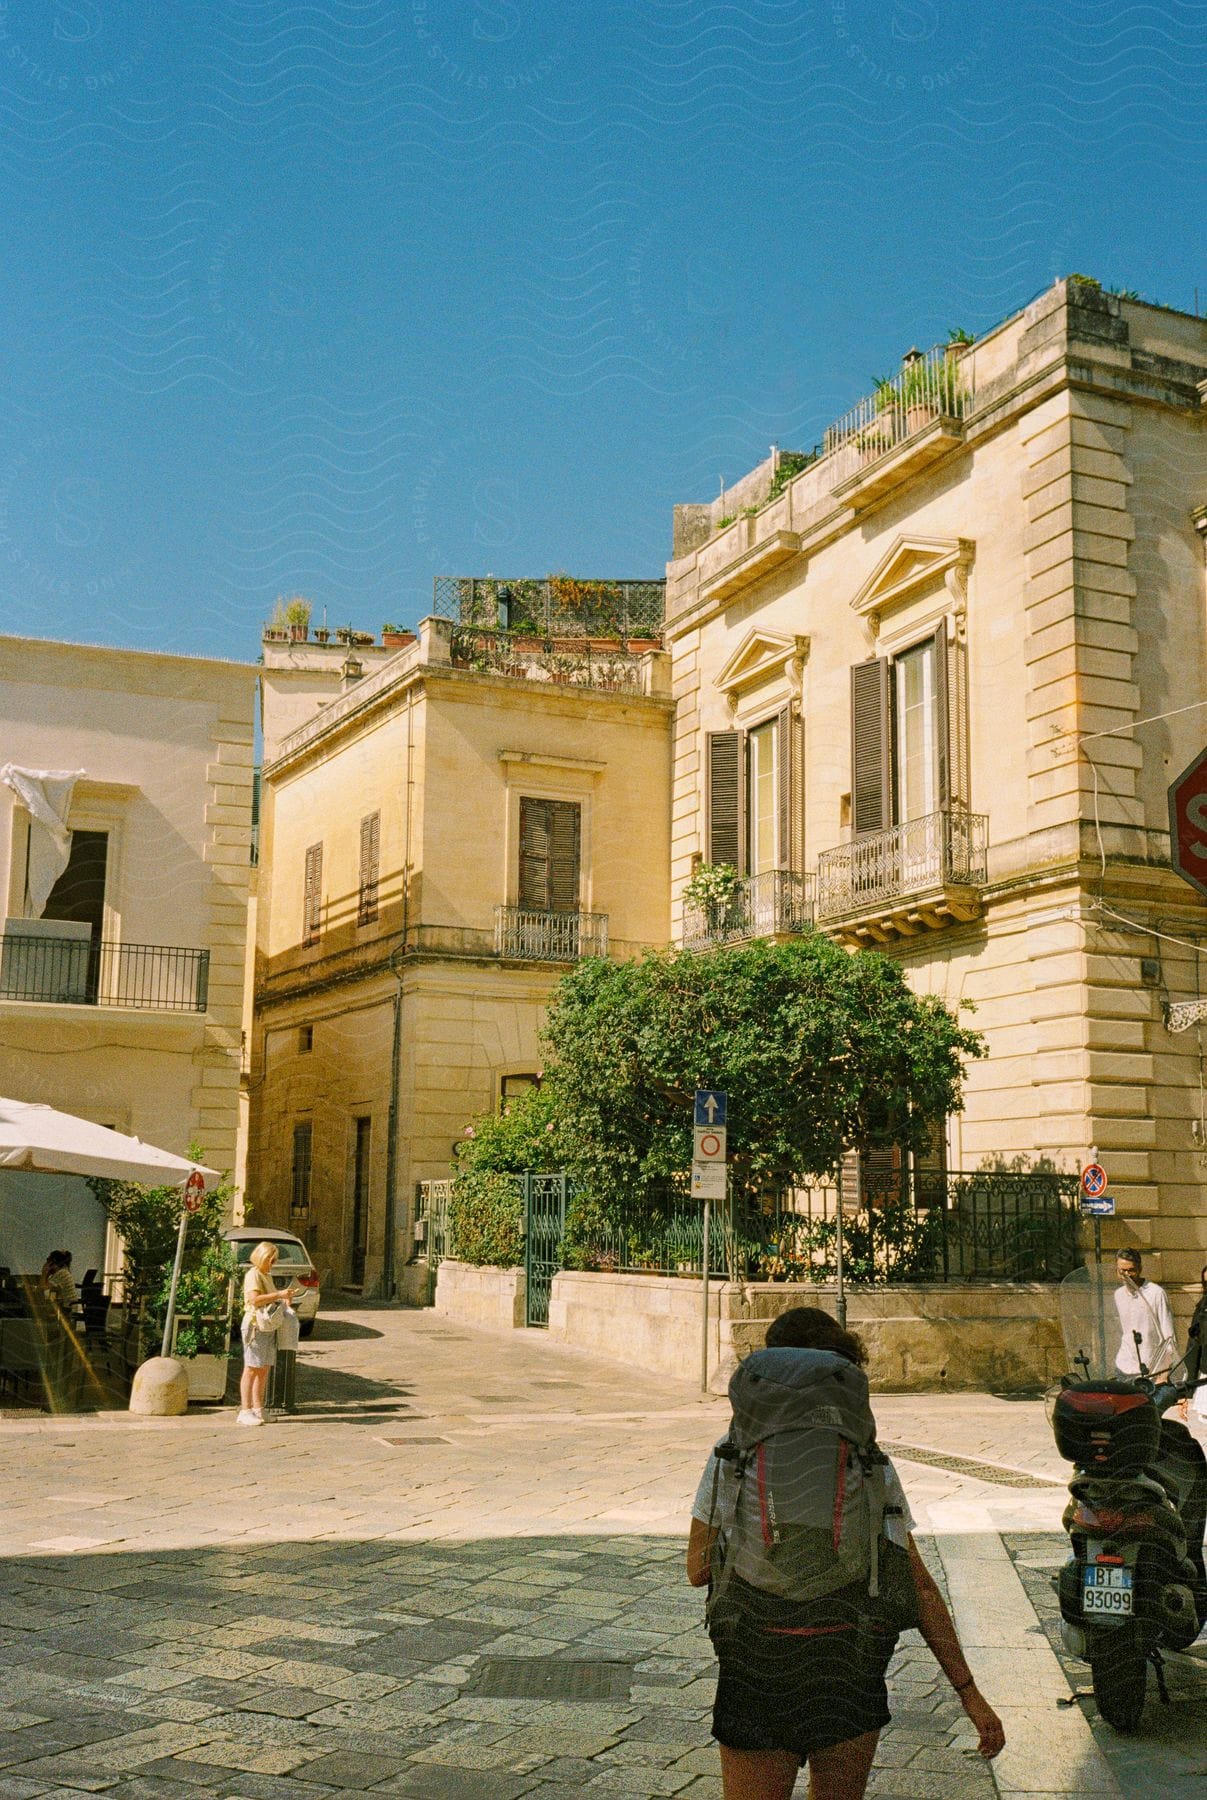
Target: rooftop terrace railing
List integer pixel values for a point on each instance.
(554, 605)
(568, 662)
(932, 384)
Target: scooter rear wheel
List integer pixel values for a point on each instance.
(1120, 1675)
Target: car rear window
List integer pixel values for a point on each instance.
(289, 1250)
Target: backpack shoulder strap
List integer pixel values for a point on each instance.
(726, 1451)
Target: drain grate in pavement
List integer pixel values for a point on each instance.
(550, 1678)
(966, 1465)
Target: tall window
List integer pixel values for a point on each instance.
(370, 857)
(303, 1146)
(917, 733)
(79, 892)
(900, 737)
(754, 787)
(550, 839)
(312, 896)
(361, 1146)
(762, 850)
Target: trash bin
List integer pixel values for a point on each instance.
(282, 1389)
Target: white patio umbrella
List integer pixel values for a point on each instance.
(57, 1143)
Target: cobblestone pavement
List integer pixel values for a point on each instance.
(457, 1573)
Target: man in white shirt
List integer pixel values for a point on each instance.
(1144, 1314)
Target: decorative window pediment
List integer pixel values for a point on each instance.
(912, 564)
(763, 656)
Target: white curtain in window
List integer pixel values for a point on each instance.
(46, 796)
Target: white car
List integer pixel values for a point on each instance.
(293, 1265)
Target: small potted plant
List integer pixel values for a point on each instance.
(201, 1334)
(717, 890)
(321, 634)
(276, 631)
(396, 637)
(344, 634)
(297, 618)
(363, 639)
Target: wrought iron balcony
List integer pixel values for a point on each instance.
(777, 903)
(77, 971)
(529, 936)
(917, 876)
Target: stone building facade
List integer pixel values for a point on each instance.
(442, 831)
(121, 995)
(930, 691)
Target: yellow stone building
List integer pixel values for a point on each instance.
(930, 690)
(122, 955)
(444, 827)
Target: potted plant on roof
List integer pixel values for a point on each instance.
(396, 637)
(297, 618)
(276, 631)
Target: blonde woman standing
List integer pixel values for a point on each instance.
(259, 1342)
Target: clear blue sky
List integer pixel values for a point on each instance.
(332, 298)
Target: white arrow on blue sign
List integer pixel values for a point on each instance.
(710, 1106)
(1101, 1208)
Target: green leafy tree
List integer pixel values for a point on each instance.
(147, 1220)
(819, 1051)
(486, 1222)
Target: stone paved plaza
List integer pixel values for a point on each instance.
(457, 1573)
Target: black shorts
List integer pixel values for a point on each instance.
(799, 1679)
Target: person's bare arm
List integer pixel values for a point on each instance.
(939, 1631)
(258, 1300)
(700, 1540)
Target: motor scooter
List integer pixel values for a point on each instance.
(1135, 1585)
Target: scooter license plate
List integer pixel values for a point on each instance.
(1108, 1591)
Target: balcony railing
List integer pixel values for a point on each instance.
(932, 386)
(553, 606)
(529, 936)
(74, 971)
(566, 662)
(943, 849)
(773, 904)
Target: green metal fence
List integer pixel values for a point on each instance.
(912, 1225)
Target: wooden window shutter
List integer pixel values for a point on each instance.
(871, 747)
(312, 899)
(534, 855)
(942, 717)
(789, 775)
(565, 838)
(370, 859)
(550, 849)
(725, 832)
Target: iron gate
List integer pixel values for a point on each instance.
(544, 1228)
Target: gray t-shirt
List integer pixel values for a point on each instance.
(897, 1524)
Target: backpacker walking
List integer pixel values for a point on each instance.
(801, 1531)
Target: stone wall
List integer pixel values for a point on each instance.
(1002, 1338)
(492, 1299)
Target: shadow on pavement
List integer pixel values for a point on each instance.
(484, 1669)
(340, 1329)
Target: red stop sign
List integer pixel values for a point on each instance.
(1188, 823)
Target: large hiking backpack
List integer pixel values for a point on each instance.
(799, 1494)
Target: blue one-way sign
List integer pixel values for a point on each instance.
(1101, 1206)
(710, 1106)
